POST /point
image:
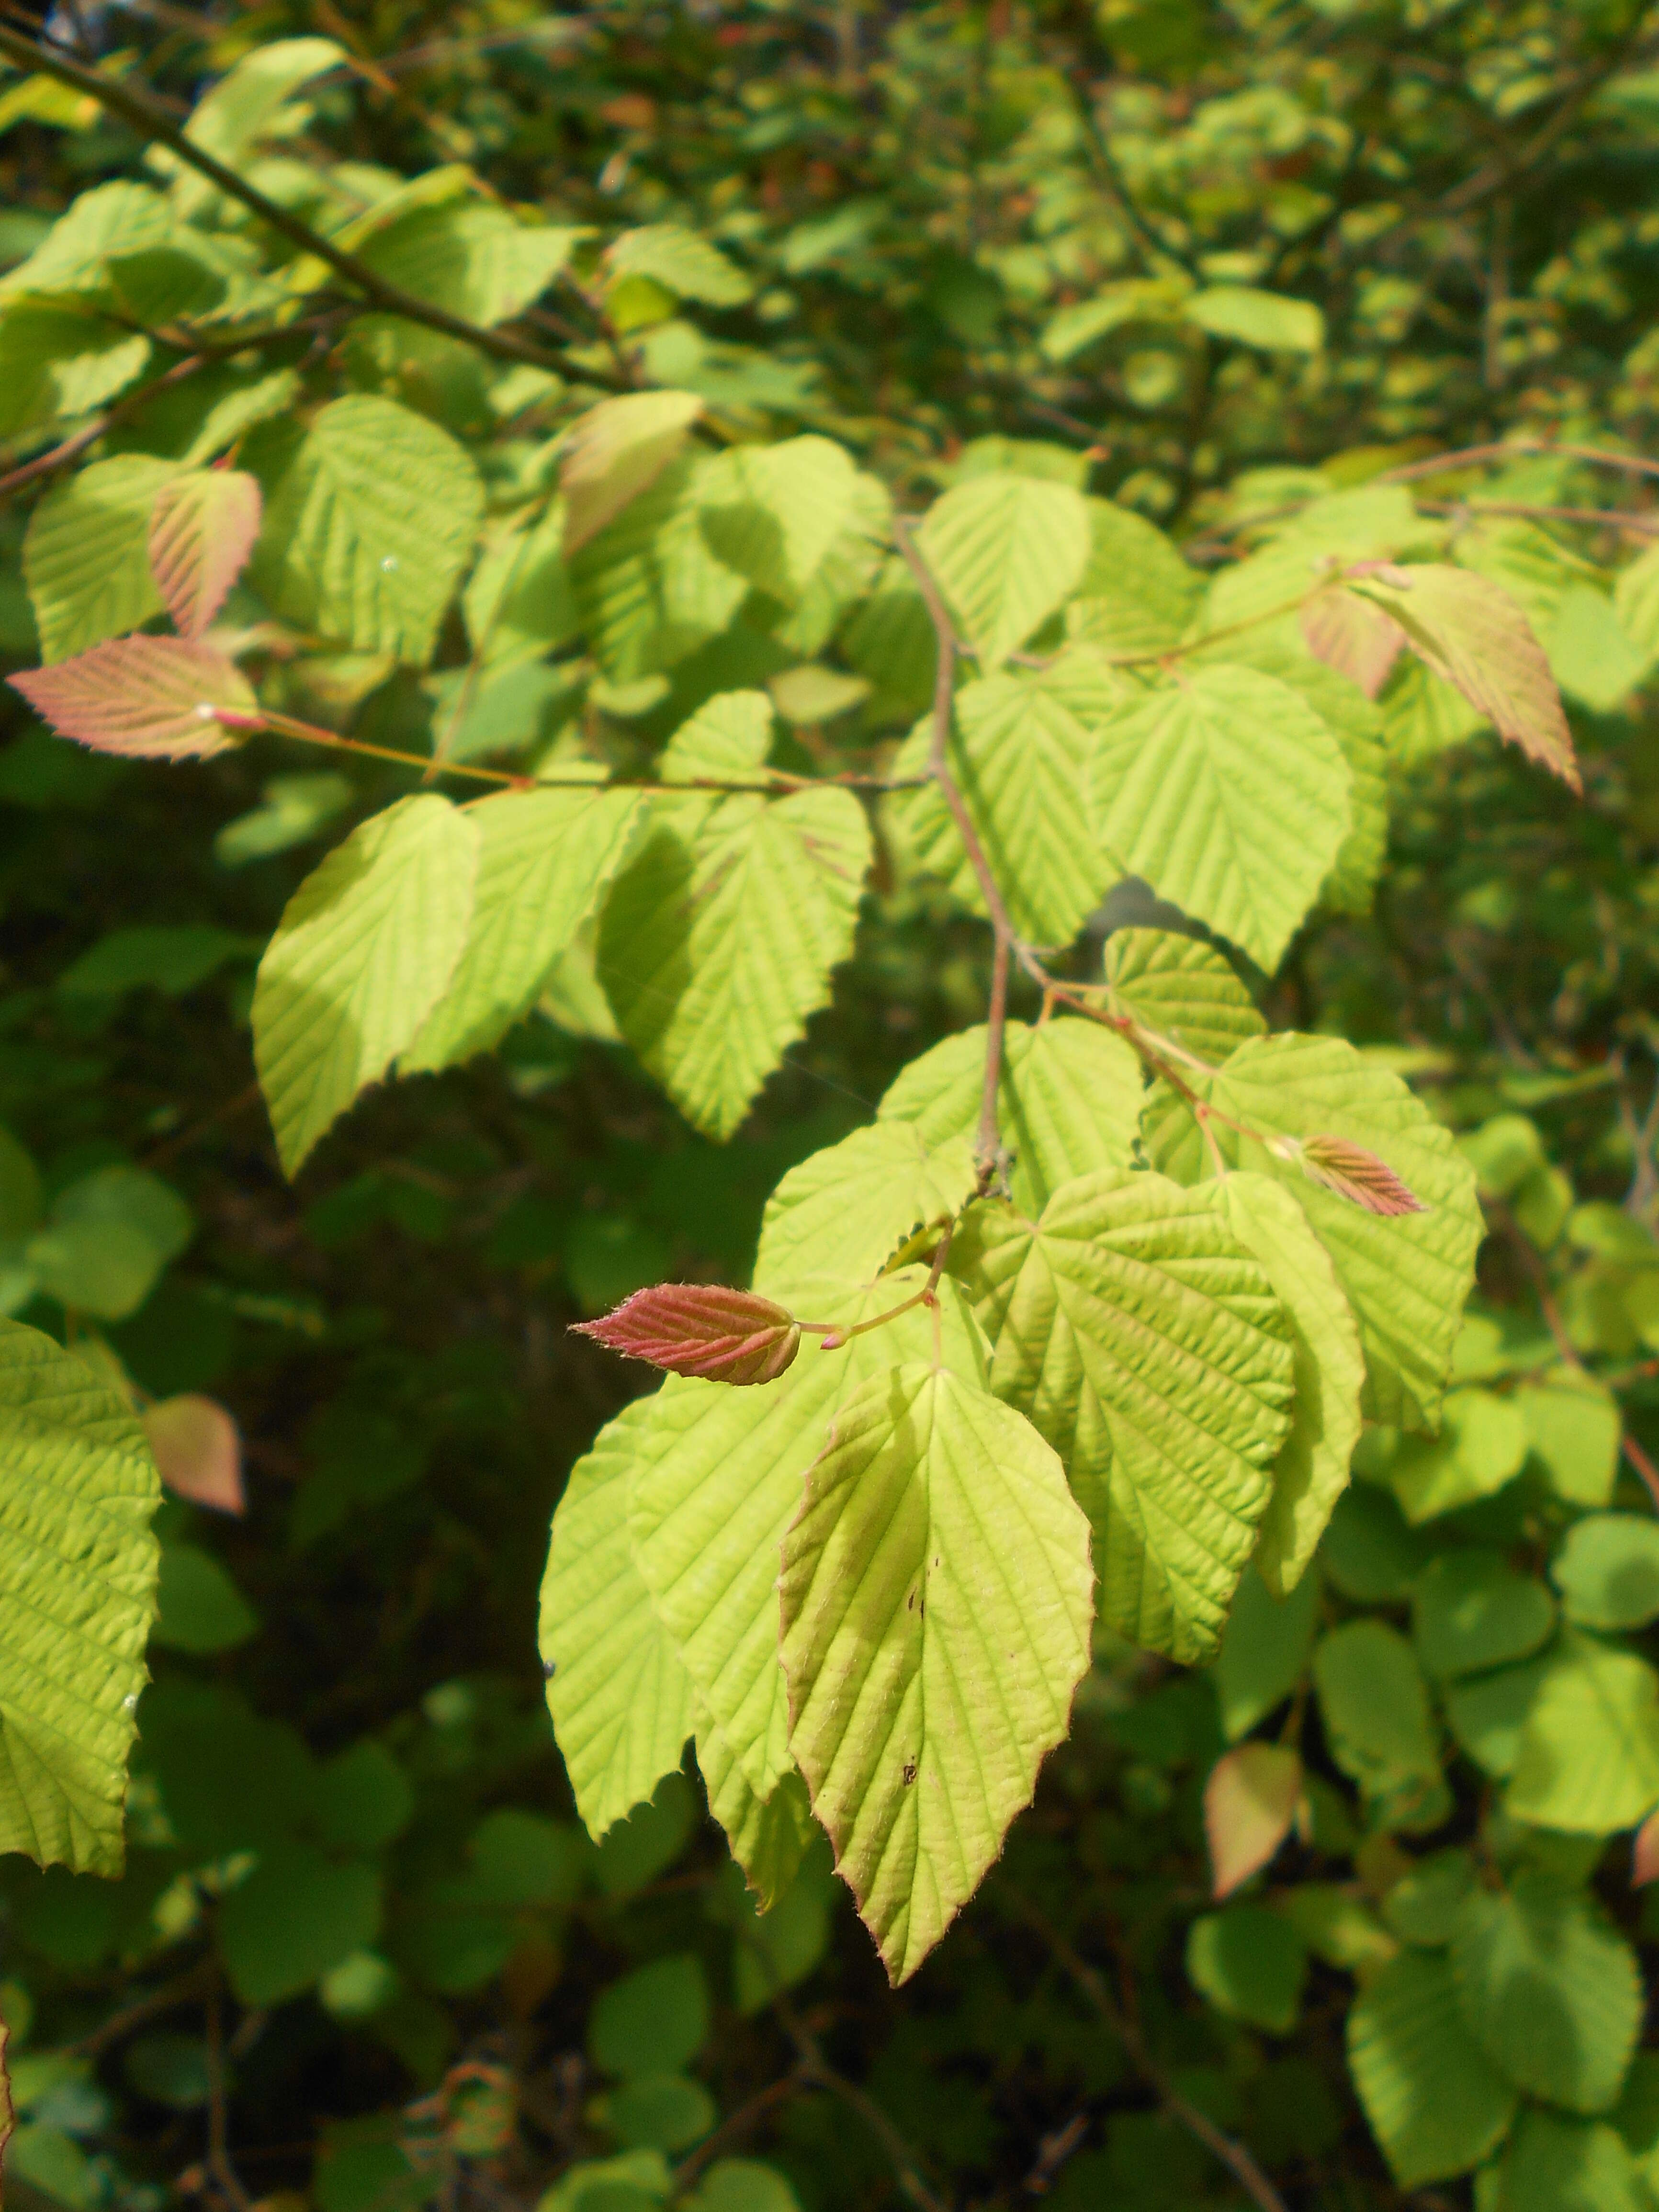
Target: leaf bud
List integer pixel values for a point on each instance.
(1358, 1176)
(701, 1329)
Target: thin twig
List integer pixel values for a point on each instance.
(187, 1988)
(138, 110)
(737, 2124)
(1232, 2153)
(218, 2158)
(816, 2067)
(772, 781)
(1600, 518)
(89, 432)
(1642, 1465)
(938, 768)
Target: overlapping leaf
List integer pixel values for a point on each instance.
(78, 1566)
(1180, 988)
(1006, 551)
(86, 557)
(1068, 1101)
(1020, 751)
(620, 1700)
(846, 1210)
(1406, 1278)
(717, 1481)
(937, 1604)
(544, 857)
(201, 529)
(615, 452)
(721, 934)
(365, 949)
(1230, 797)
(151, 698)
(1147, 1347)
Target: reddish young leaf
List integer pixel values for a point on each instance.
(197, 1451)
(1357, 1175)
(1468, 629)
(699, 1328)
(154, 698)
(1250, 1802)
(1644, 1853)
(201, 530)
(1354, 637)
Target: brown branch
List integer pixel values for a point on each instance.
(1602, 517)
(188, 1988)
(736, 2125)
(144, 116)
(939, 768)
(772, 781)
(218, 2158)
(1232, 2153)
(89, 432)
(815, 2069)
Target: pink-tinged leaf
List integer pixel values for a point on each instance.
(1644, 1854)
(699, 1328)
(153, 698)
(198, 1452)
(1468, 629)
(1250, 1802)
(1354, 637)
(1357, 1175)
(201, 530)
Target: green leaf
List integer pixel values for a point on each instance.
(470, 258)
(654, 2021)
(682, 261)
(647, 585)
(773, 513)
(1481, 1445)
(1148, 1347)
(615, 452)
(1375, 1705)
(1006, 551)
(1589, 655)
(1426, 1905)
(1556, 2165)
(295, 1916)
(106, 1240)
(518, 603)
(1068, 1101)
(120, 217)
(543, 858)
(197, 1607)
(937, 1601)
(1607, 1571)
(1356, 726)
(1470, 1611)
(238, 111)
(719, 936)
(1264, 1650)
(769, 1836)
(74, 1546)
(1267, 319)
(1020, 748)
(846, 1210)
(363, 952)
(1550, 1990)
(1180, 988)
(716, 1483)
(1230, 797)
(370, 516)
(1250, 1964)
(86, 557)
(1311, 1471)
(1573, 1427)
(1136, 595)
(1487, 1714)
(1406, 1278)
(739, 2185)
(620, 1700)
(1436, 2103)
(1423, 715)
(1469, 631)
(57, 360)
(1589, 1748)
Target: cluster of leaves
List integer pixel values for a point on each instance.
(1134, 1320)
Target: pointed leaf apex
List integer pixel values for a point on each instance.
(1250, 1802)
(1358, 1176)
(701, 1329)
(202, 528)
(151, 698)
